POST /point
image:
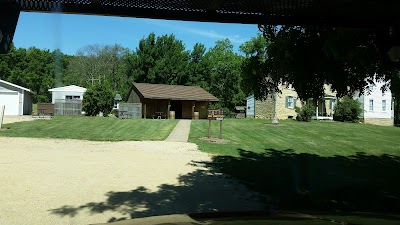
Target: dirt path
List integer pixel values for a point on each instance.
(49, 181)
(181, 132)
(14, 119)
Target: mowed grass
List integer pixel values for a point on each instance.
(323, 138)
(310, 166)
(92, 128)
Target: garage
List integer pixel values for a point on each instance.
(10, 100)
(17, 99)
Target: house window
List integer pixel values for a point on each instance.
(289, 102)
(371, 105)
(383, 105)
(333, 103)
(77, 97)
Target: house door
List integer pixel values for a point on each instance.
(321, 108)
(177, 107)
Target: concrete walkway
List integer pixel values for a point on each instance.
(180, 132)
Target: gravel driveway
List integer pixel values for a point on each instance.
(53, 181)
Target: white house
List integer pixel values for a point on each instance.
(377, 106)
(17, 99)
(67, 92)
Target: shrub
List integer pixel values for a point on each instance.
(347, 110)
(305, 113)
(98, 98)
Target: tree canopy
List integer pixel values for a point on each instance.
(33, 68)
(94, 64)
(309, 57)
(164, 60)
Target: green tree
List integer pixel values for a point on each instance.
(100, 64)
(347, 110)
(309, 57)
(98, 98)
(253, 68)
(225, 74)
(32, 68)
(198, 68)
(160, 60)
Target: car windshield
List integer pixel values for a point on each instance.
(111, 118)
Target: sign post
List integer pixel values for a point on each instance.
(217, 114)
(2, 111)
(209, 128)
(220, 129)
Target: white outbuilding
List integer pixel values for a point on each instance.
(17, 99)
(71, 92)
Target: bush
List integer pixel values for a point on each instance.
(229, 113)
(305, 113)
(347, 110)
(98, 98)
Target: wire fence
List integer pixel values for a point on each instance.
(130, 110)
(70, 107)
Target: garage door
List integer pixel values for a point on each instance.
(10, 100)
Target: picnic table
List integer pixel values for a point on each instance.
(159, 115)
(41, 112)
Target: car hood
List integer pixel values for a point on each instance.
(264, 218)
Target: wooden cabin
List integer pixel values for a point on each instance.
(164, 101)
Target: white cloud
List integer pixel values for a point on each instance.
(205, 33)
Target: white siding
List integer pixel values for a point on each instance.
(250, 106)
(61, 95)
(14, 98)
(377, 96)
(10, 100)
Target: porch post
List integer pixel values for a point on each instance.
(317, 109)
(169, 108)
(193, 105)
(144, 116)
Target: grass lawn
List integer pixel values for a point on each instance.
(316, 166)
(92, 128)
(323, 138)
(34, 108)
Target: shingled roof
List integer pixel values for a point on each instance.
(172, 92)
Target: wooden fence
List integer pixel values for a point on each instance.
(130, 110)
(68, 107)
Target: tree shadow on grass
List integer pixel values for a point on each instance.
(306, 181)
(284, 180)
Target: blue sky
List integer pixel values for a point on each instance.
(71, 32)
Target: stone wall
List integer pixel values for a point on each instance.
(265, 109)
(378, 121)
